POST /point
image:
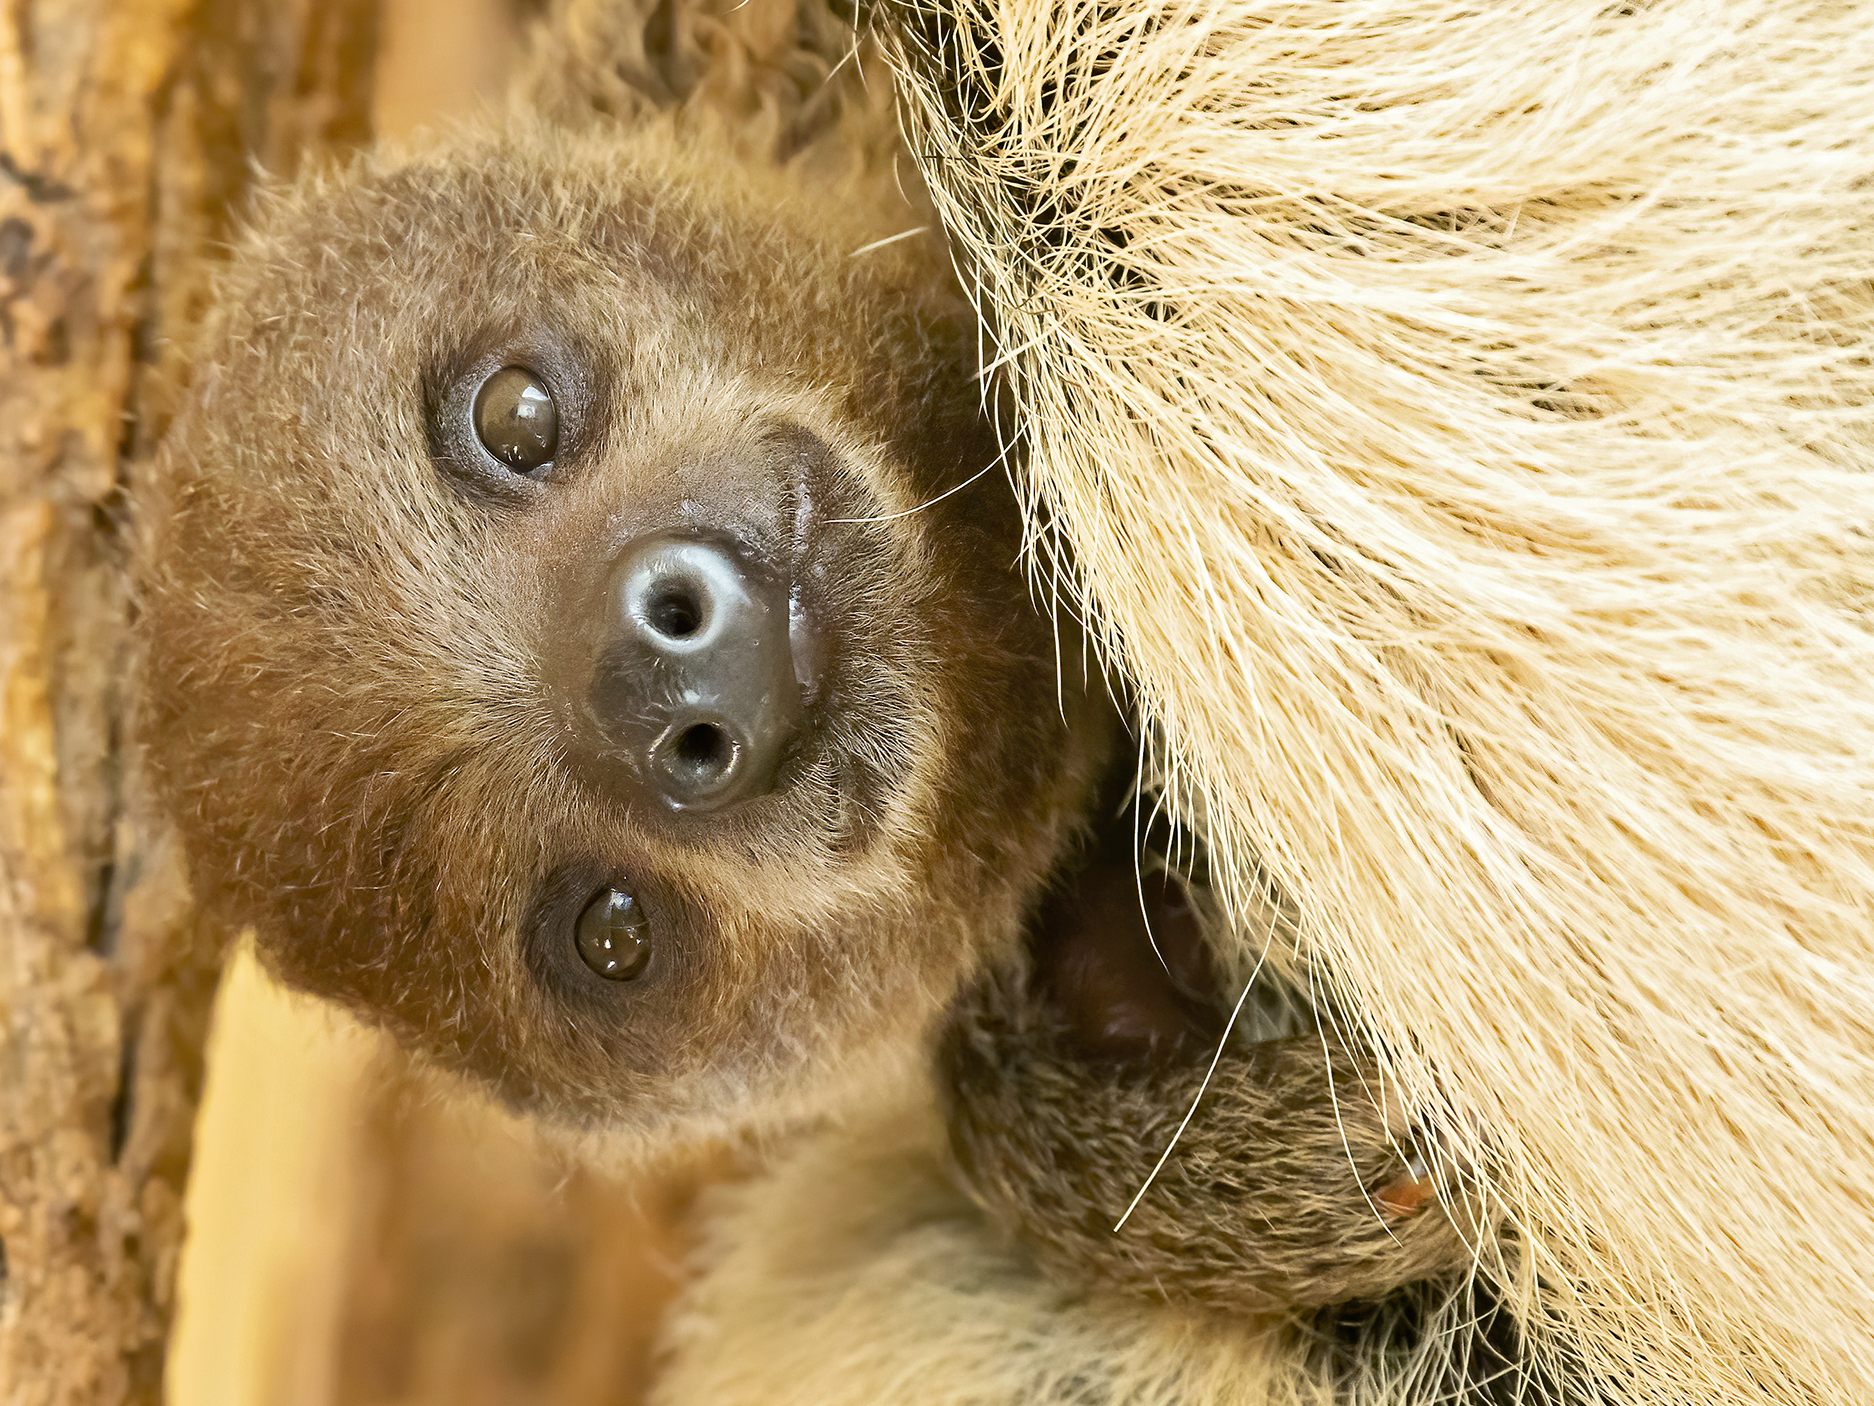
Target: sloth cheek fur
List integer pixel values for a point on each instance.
(538, 652)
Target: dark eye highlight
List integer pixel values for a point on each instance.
(614, 936)
(517, 420)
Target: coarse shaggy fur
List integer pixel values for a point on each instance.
(1458, 419)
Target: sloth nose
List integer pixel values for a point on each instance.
(697, 683)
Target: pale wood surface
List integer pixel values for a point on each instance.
(127, 129)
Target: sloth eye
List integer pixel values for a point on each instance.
(614, 936)
(517, 419)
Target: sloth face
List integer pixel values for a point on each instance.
(563, 643)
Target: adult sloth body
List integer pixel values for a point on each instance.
(1500, 379)
(401, 750)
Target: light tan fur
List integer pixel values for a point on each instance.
(1461, 415)
(855, 1271)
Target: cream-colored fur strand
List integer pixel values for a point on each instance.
(1460, 417)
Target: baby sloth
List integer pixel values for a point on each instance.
(583, 633)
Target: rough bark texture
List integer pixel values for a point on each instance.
(129, 130)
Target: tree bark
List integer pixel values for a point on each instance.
(129, 130)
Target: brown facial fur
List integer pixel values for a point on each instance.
(348, 630)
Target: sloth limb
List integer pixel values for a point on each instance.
(1068, 1072)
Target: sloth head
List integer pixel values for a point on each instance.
(582, 629)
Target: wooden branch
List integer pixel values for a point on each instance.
(128, 133)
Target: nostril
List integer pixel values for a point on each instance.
(705, 747)
(677, 607)
(697, 760)
(695, 685)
